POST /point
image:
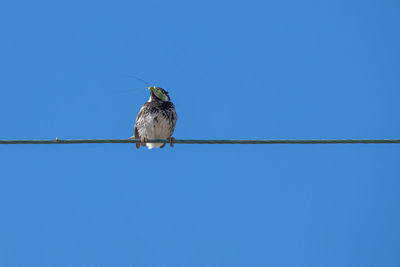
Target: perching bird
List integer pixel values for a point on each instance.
(156, 119)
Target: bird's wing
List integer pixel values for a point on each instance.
(174, 119)
(138, 117)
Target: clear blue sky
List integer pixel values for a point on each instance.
(250, 69)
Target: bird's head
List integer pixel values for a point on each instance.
(157, 93)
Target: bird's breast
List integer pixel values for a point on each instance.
(157, 123)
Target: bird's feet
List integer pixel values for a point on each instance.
(171, 141)
(144, 141)
(136, 144)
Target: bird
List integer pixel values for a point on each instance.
(156, 119)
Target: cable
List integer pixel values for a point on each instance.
(191, 141)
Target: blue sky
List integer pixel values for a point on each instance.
(253, 69)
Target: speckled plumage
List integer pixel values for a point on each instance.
(156, 120)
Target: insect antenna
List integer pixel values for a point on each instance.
(137, 78)
(129, 90)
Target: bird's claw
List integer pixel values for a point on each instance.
(171, 141)
(144, 141)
